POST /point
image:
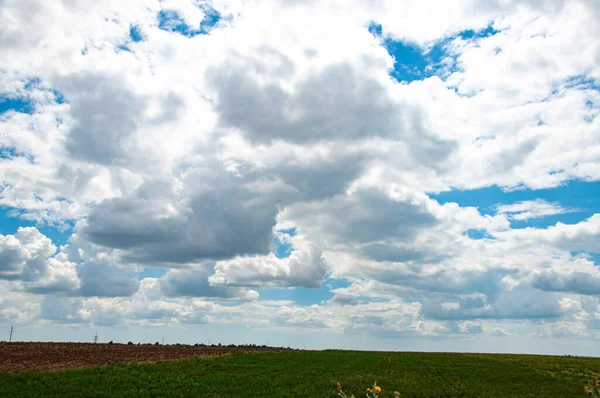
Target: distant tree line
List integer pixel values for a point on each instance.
(219, 345)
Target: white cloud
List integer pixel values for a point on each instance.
(304, 267)
(497, 331)
(528, 209)
(30, 257)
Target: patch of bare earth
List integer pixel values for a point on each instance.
(49, 357)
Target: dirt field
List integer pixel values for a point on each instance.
(19, 357)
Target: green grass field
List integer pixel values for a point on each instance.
(314, 374)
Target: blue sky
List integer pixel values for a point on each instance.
(16, 104)
(294, 173)
(578, 196)
(414, 62)
(172, 21)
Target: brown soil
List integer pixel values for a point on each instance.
(49, 357)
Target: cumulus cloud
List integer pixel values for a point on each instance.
(576, 282)
(364, 216)
(214, 216)
(191, 148)
(304, 267)
(30, 257)
(100, 277)
(582, 236)
(196, 283)
(342, 102)
(62, 309)
(24, 254)
(106, 115)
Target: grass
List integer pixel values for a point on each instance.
(314, 374)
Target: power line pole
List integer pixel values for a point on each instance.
(96, 338)
(11, 333)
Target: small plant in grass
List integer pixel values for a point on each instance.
(341, 393)
(372, 392)
(593, 391)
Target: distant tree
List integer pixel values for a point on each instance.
(157, 343)
(128, 343)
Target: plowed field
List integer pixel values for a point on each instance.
(19, 357)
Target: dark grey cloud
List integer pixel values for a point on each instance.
(449, 294)
(100, 277)
(363, 217)
(12, 260)
(61, 309)
(194, 283)
(522, 302)
(511, 158)
(320, 179)
(106, 115)
(217, 217)
(382, 251)
(344, 299)
(466, 295)
(340, 102)
(575, 282)
(170, 109)
(332, 104)
(447, 280)
(457, 308)
(129, 222)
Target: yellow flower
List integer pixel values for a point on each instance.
(378, 389)
(396, 394)
(368, 390)
(588, 389)
(339, 387)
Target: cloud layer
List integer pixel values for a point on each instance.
(241, 155)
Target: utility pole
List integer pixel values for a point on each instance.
(11, 332)
(96, 338)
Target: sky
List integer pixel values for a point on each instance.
(416, 175)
